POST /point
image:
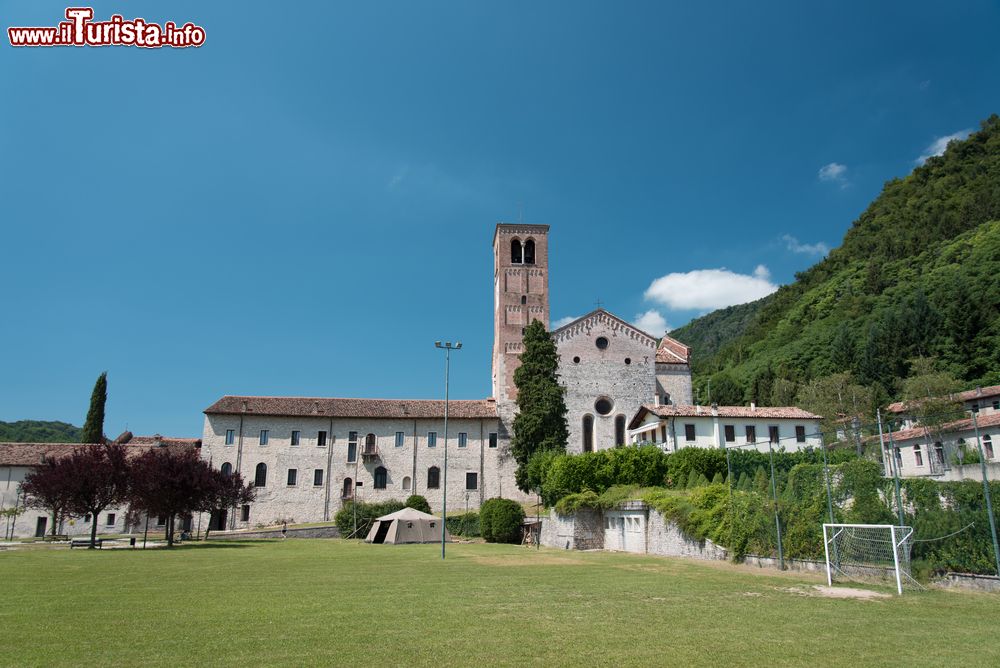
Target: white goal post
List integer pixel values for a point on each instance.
(868, 551)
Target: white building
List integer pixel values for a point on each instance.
(17, 460)
(947, 452)
(306, 456)
(752, 427)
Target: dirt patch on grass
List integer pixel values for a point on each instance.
(835, 592)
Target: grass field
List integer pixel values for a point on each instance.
(331, 602)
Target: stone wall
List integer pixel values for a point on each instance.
(665, 538)
(272, 532)
(583, 530)
(989, 583)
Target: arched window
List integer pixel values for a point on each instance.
(524, 299)
(433, 477)
(620, 430)
(260, 475)
(515, 251)
(529, 251)
(406, 483)
(370, 445)
(588, 433)
(348, 489)
(938, 452)
(988, 446)
(919, 456)
(227, 469)
(380, 477)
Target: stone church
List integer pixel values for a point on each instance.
(307, 455)
(609, 367)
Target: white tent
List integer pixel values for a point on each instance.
(407, 526)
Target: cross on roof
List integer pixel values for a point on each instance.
(599, 303)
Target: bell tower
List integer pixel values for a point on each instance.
(520, 295)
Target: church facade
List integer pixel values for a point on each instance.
(307, 456)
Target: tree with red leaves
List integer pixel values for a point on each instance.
(170, 483)
(44, 488)
(92, 478)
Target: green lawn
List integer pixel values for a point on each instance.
(331, 602)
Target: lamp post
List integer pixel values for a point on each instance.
(447, 347)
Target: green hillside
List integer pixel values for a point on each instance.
(37, 431)
(917, 275)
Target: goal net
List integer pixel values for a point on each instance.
(869, 552)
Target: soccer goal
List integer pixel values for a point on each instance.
(869, 552)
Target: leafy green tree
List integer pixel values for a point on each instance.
(93, 428)
(541, 420)
(418, 502)
(842, 348)
(761, 483)
(725, 390)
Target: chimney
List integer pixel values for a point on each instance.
(753, 406)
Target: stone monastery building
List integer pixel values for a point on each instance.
(306, 456)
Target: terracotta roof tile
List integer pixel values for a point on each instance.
(33, 454)
(353, 408)
(672, 351)
(965, 424)
(968, 395)
(788, 412)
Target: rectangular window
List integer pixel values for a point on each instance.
(318, 477)
(663, 433)
(730, 433)
(471, 481)
(463, 439)
(293, 476)
(111, 519)
(800, 434)
(493, 439)
(263, 436)
(245, 513)
(400, 437)
(996, 405)
(230, 436)
(975, 408)
(772, 434)
(352, 436)
(161, 520)
(751, 434)
(321, 439)
(689, 432)
(295, 437)
(352, 453)
(432, 439)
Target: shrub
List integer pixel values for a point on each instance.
(466, 524)
(366, 515)
(418, 502)
(501, 520)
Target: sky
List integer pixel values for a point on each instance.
(305, 203)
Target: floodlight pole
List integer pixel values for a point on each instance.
(986, 493)
(447, 347)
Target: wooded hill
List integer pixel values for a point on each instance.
(917, 275)
(37, 431)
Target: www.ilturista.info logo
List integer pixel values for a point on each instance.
(81, 30)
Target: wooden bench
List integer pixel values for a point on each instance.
(84, 542)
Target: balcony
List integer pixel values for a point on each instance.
(369, 452)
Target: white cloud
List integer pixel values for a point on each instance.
(794, 245)
(398, 177)
(938, 146)
(705, 289)
(562, 322)
(651, 322)
(834, 173)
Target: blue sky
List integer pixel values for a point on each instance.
(305, 204)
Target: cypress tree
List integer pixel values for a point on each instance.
(692, 480)
(761, 482)
(541, 420)
(93, 428)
